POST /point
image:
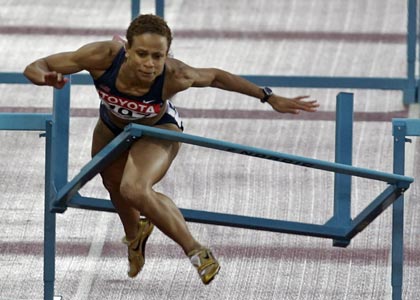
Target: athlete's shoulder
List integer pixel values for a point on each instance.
(180, 75)
(97, 55)
(102, 49)
(177, 69)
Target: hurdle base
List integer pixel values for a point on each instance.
(57, 209)
(341, 243)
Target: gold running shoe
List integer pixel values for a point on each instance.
(136, 247)
(205, 263)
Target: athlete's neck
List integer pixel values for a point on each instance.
(129, 82)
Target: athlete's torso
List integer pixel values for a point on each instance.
(124, 106)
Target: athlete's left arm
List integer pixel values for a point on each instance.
(213, 77)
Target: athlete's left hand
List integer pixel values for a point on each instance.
(292, 105)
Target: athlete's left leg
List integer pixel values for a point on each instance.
(148, 161)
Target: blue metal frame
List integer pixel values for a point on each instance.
(49, 217)
(136, 8)
(134, 131)
(341, 228)
(408, 85)
(271, 80)
(23, 121)
(343, 154)
(56, 176)
(401, 129)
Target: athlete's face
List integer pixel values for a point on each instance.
(147, 55)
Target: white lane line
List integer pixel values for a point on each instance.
(92, 261)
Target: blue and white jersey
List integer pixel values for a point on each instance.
(124, 106)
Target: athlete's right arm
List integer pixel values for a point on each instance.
(91, 57)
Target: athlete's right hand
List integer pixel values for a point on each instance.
(55, 79)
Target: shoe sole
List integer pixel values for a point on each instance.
(214, 276)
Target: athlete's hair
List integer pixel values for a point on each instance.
(148, 24)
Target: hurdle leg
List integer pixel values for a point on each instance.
(343, 154)
(49, 221)
(409, 93)
(56, 171)
(398, 216)
(49, 253)
(136, 7)
(160, 8)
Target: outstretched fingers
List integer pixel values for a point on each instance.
(301, 104)
(293, 105)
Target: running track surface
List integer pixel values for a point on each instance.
(328, 38)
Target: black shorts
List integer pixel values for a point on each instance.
(171, 116)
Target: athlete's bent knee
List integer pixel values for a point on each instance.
(138, 195)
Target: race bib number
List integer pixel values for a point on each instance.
(129, 109)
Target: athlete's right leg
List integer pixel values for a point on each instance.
(136, 230)
(111, 177)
